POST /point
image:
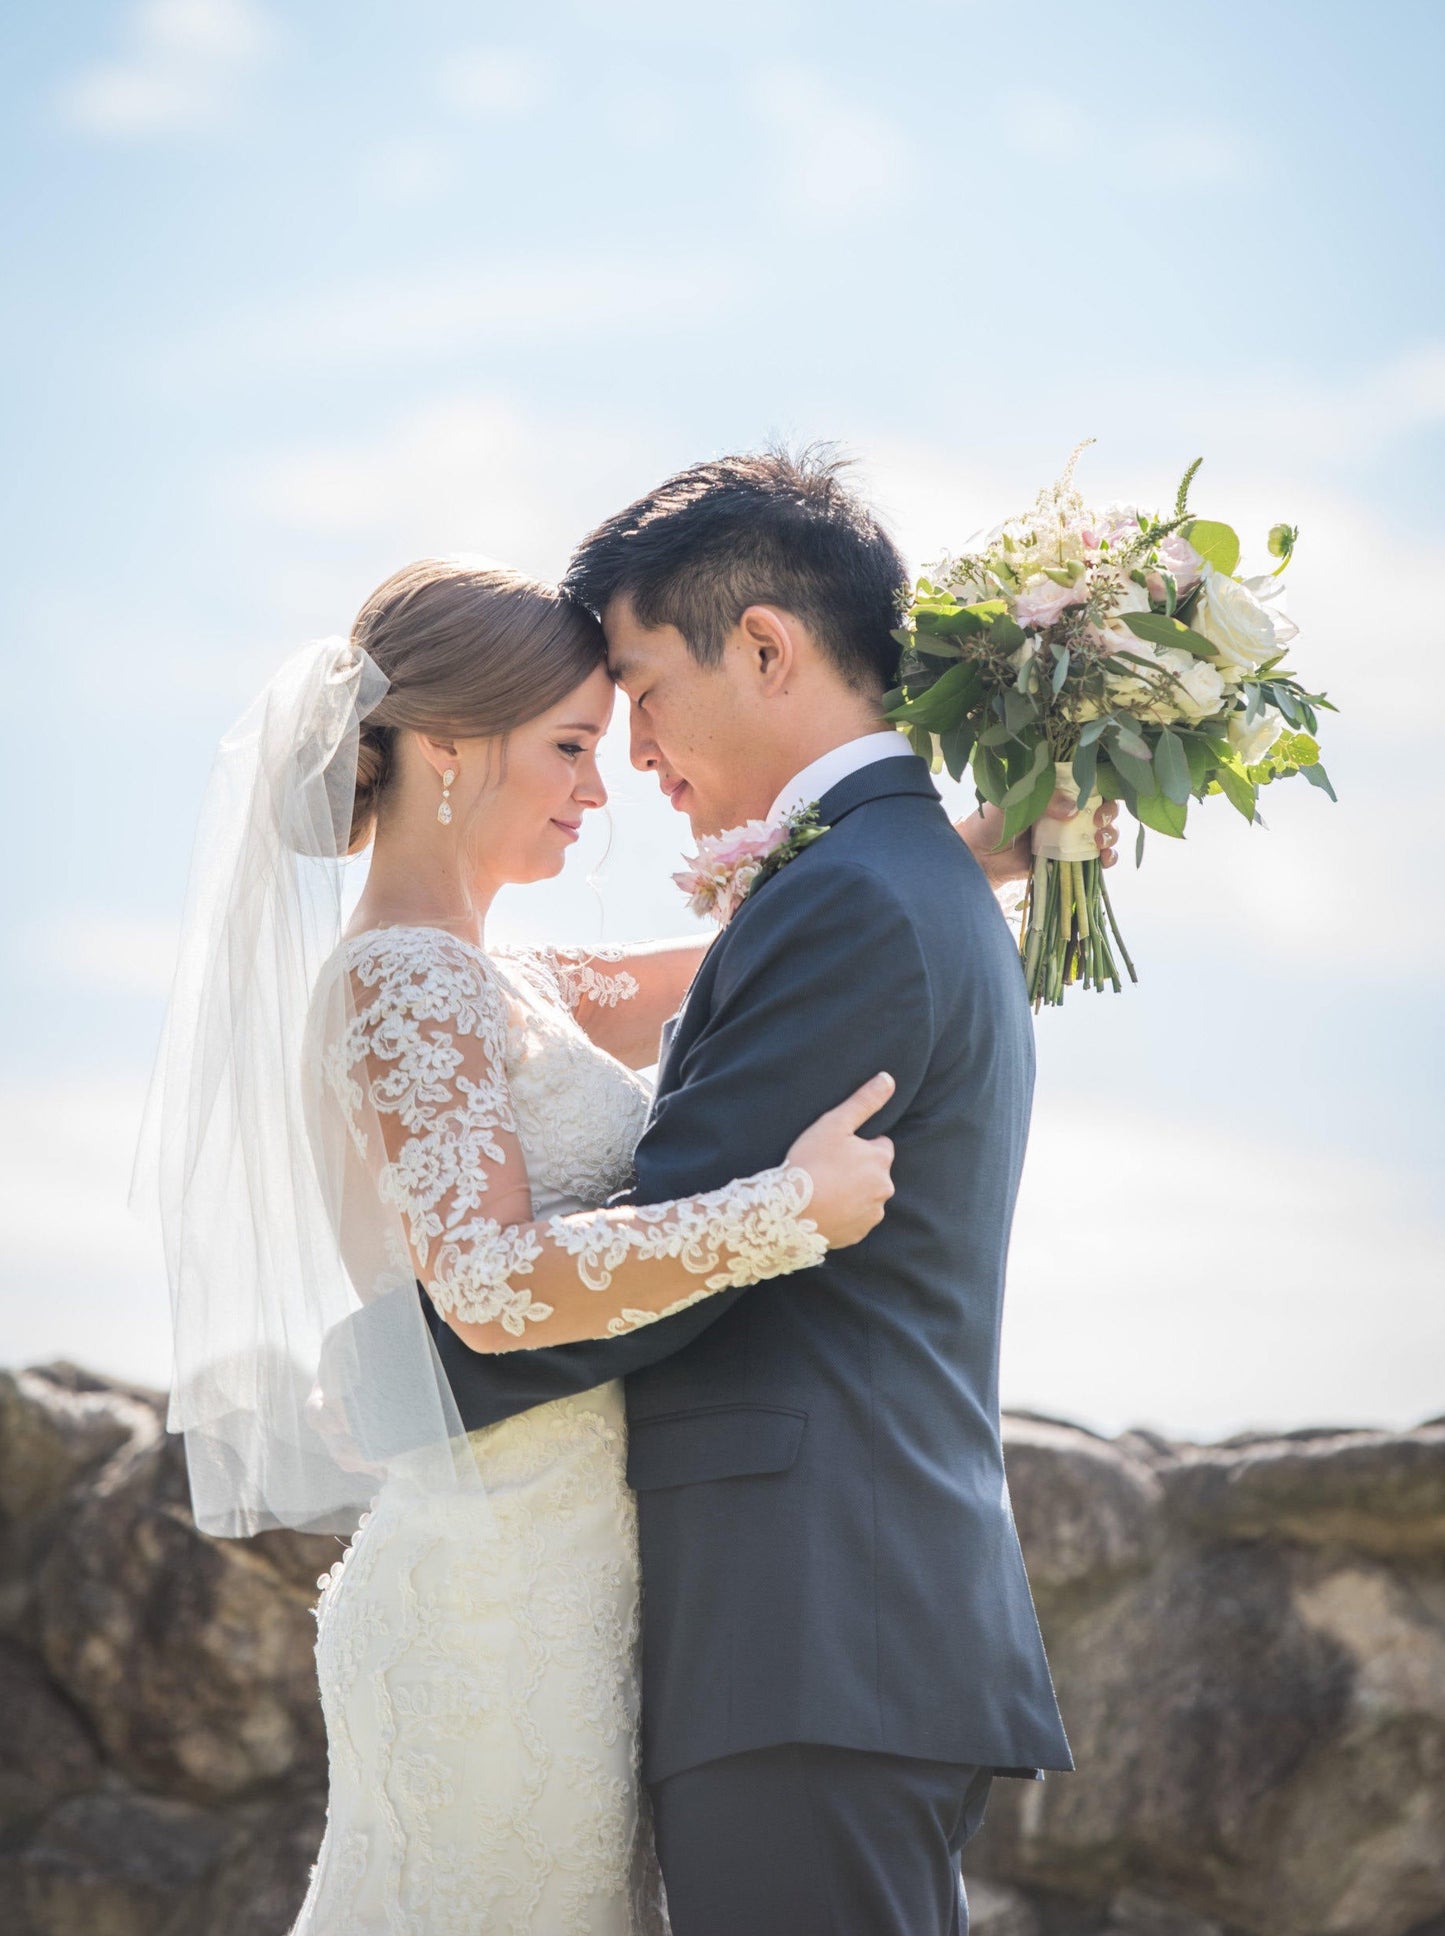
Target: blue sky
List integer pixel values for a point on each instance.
(298, 293)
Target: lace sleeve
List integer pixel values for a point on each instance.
(427, 1049)
(582, 975)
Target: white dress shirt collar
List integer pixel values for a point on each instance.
(825, 772)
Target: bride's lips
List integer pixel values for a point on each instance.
(572, 828)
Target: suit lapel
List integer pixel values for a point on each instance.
(879, 780)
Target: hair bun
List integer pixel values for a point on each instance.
(373, 764)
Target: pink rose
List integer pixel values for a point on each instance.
(1041, 602)
(1176, 555)
(719, 875)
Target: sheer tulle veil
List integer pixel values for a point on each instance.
(304, 1372)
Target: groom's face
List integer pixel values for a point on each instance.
(694, 726)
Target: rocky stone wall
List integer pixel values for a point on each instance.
(1248, 1641)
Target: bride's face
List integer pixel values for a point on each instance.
(526, 816)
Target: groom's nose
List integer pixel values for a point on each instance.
(644, 749)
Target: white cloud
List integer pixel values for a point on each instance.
(408, 172)
(178, 74)
(80, 1276)
(1290, 422)
(464, 473)
(1123, 151)
(95, 948)
(1204, 1282)
(839, 158)
(495, 82)
(362, 325)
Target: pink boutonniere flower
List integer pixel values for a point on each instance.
(727, 867)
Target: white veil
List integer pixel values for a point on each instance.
(304, 1369)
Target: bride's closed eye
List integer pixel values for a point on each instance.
(571, 749)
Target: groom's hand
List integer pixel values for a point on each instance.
(981, 830)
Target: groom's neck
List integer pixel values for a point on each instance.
(817, 736)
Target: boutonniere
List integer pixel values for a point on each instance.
(727, 867)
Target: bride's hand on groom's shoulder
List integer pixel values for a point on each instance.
(852, 1175)
(980, 832)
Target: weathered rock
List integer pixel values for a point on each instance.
(50, 1436)
(259, 1887)
(192, 1657)
(1377, 1492)
(113, 1864)
(46, 1751)
(1248, 1641)
(1258, 1723)
(1087, 1512)
(54, 1434)
(996, 1910)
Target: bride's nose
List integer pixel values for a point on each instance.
(590, 790)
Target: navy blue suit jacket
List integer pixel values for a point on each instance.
(828, 1549)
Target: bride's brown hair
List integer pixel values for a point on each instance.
(471, 651)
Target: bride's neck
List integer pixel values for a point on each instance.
(414, 883)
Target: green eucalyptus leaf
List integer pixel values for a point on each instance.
(1127, 740)
(1085, 767)
(1163, 815)
(1019, 790)
(1237, 787)
(1138, 773)
(1030, 804)
(1217, 544)
(1172, 768)
(1200, 756)
(945, 703)
(989, 773)
(1317, 776)
(957, 746)
(1160, 630)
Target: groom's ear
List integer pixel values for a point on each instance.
(770, 637)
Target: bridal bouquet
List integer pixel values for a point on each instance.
(1114, 654)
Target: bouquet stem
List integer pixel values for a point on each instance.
(1068, 921)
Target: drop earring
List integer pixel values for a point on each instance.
(444, 811)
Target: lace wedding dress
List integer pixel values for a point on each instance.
(477, 1657)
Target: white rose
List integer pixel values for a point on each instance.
(1195, 692)
(1253, 742)
(1130, 597)
(1199, 690)
(1229, 615)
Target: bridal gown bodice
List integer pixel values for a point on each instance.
(477, 1654)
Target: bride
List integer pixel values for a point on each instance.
(364, 1129)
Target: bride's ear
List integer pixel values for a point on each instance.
(439, 754)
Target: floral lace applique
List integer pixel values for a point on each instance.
(573, 974)
(434, 1042)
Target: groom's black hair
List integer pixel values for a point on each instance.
(768, 528)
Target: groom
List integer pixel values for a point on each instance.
(840, 1649)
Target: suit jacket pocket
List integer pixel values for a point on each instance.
(719, 1442)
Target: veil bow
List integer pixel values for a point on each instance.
(304, 1370)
